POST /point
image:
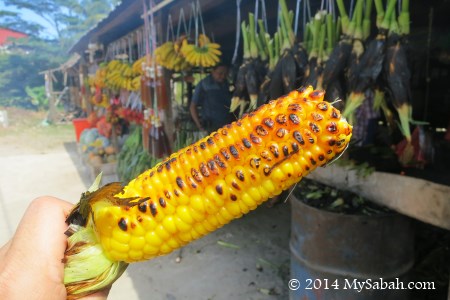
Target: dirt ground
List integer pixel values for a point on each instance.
(246, 259)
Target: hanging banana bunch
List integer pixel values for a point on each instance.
(170, 57)
(203, 53)
(122, 75)
(200, 51)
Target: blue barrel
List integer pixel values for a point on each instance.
(339, 256)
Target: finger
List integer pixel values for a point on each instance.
(41, 233)
(3, 250)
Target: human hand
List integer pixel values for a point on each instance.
(31, 264)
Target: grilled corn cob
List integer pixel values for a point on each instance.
(204, 186)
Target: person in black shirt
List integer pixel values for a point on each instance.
(213, 95)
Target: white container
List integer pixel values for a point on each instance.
(4, 118)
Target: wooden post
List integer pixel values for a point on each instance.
(51, 97)
(87, 96)
(169, 122)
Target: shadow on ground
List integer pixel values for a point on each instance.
(246, 259)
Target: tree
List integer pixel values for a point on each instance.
(13, 20)
(70, 19)
(20, 69)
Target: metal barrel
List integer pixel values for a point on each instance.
(339, 256)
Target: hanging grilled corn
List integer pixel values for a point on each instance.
(201, 187)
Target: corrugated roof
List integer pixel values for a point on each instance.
(6, 34)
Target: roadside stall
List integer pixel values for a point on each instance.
(140, 66)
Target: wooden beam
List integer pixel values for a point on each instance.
(417, 198)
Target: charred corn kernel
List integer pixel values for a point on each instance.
(215, 180)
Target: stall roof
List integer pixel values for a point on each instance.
(219, 17)
(72, 61)
(125, 17)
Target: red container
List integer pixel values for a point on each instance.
(80, 125)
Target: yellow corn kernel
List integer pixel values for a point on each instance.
(225, 214)
(153, 239)
(173, 243)
(197, 203)
(200, 229)
(165, 249)
(248, 200)
(150, 250)
(169, 224)
(219, 178)
(134, 254)
(186, 236)
(118, 246)
(243, 207)
(184, 214)
(255, 197)
(137, 243)
(181, 225)
(198, 217)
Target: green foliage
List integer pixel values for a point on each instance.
(38, 96)
(133, 159)
(21, 69)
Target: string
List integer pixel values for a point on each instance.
(170, 29)
(238, 31)
(351, 9)
(181, 20)
(153, 46)
(199, 12)
(146, 33)
(297, 13)
(264, 14)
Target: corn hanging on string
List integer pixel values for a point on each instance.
(206, 185)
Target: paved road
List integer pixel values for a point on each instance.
(206, 271)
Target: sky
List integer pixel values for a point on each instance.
(31, 16)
